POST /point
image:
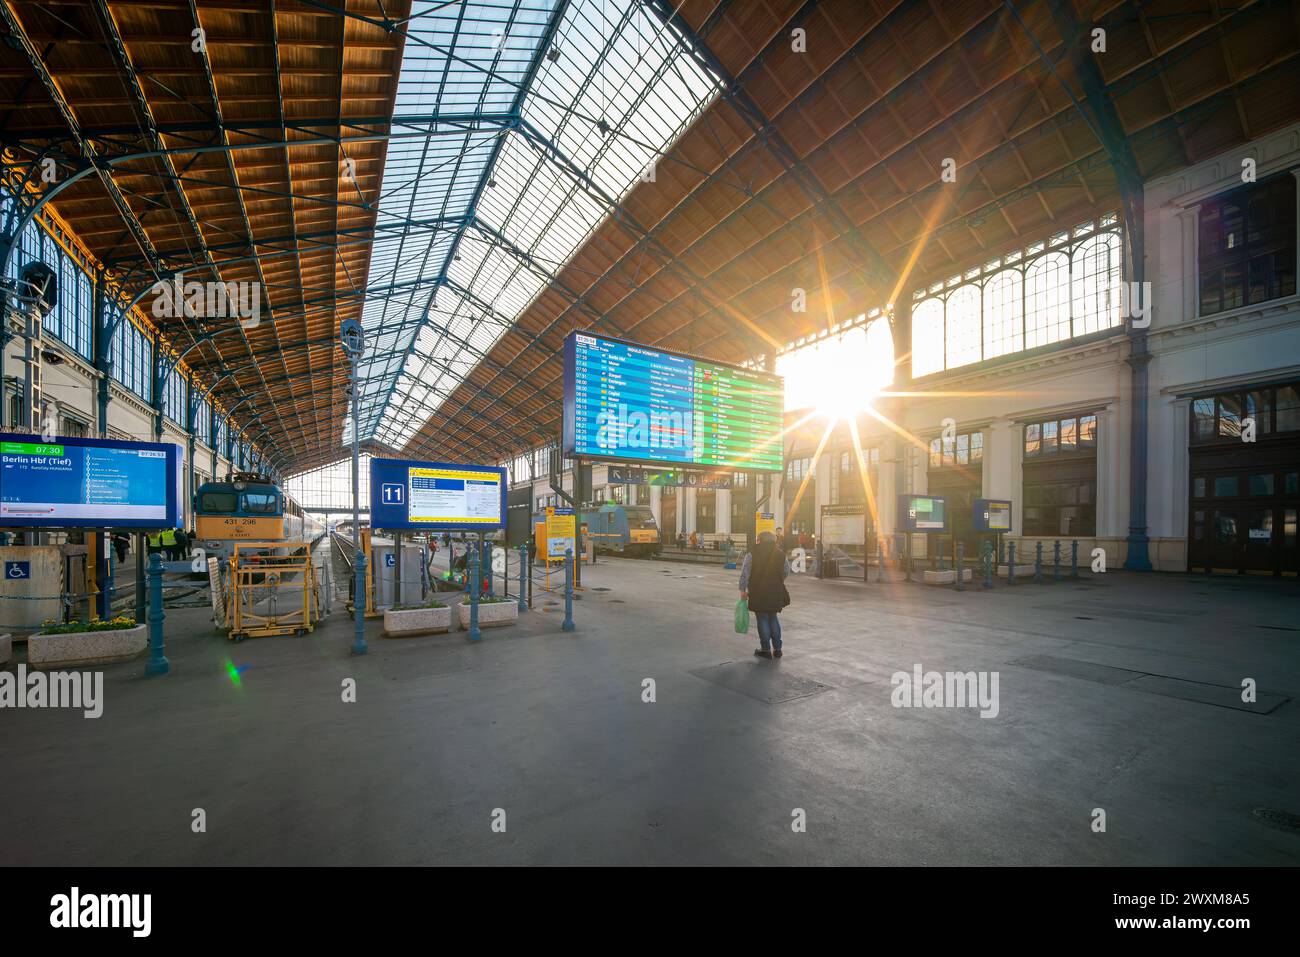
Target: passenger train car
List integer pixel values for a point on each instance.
(619, 529)
(248, 507)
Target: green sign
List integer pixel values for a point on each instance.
(29, 448)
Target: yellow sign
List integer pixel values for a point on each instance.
(234, 528)
(454, 495)
(561, 533)
(764, 522)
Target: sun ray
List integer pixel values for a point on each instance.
(803, 486)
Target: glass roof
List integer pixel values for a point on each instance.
(476, 217)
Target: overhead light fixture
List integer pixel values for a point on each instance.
(553, 54)
(603, 127)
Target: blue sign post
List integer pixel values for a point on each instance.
(414, 495)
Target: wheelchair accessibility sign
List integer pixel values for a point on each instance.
(18, 570)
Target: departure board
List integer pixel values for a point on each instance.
(88, 483)
(629, 402)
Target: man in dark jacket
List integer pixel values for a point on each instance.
(762, 583)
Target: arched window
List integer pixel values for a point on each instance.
(1047, 300)
(1096, 272)
(927, 337)
(962, 321)
(1004, 314)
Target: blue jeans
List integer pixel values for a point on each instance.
(769, 630)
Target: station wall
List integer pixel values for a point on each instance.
(1079, 384)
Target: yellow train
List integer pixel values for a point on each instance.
(248, 507)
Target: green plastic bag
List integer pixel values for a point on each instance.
(742, 616)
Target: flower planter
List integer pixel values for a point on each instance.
(86, 647)
(490, 614)
(948, 577)
(408, 622)
(1022, 571)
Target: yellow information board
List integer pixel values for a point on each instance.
(561, 532)
(764, 522)
(454, 495)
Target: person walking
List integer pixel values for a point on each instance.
(762, 584)
(121, 545)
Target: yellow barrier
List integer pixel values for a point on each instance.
(269, 574)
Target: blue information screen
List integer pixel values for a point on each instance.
(88, 483)
(629, 402)
(923, 513)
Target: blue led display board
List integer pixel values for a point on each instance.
(627, 402)
(415, 495)
(89, 483)
(991, 515)
(923, 513)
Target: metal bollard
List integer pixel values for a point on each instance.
(568, 590)
(1011, 563)
(1074, 559)
(141, 577)
(880, 563)
(961, 555)
(1056, 560)
(486, 562)
(523, 572)
(359, 604)
(1038, 563)
(988, 565)
(473, 570)
(157, 663)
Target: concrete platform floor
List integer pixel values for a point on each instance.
(551, 728)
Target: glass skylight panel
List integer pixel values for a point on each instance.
(617, 67)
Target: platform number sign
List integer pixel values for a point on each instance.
(392, 493)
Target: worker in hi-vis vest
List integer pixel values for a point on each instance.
(169, 543)
(153, 542)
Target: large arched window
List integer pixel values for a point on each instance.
(1095, 277)
(1047, 300)
(962, 322)
(927, 337)
(1049, 292)
(1004, 314)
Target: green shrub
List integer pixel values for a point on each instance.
(120, 623)
(427, 604)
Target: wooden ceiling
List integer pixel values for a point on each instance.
(254, 179)
(817, 169)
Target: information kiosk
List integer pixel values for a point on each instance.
(922, 515)
(415, 495)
